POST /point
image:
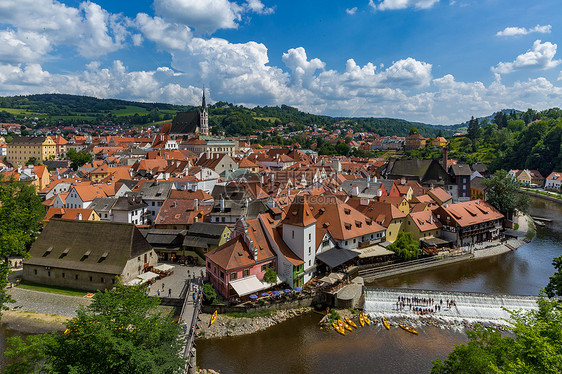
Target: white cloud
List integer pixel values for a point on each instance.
(165, 35)
(258, 7)
(541, 56)
(22, 46)
(513, 31)
(89, 28)
(351, 11)
(204, 16)
(408, 72)
(402, 4)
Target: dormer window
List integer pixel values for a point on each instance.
(103, 257)
(85, 256)
(48, 251)
(64, 253)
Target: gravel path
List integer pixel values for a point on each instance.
(44, 302)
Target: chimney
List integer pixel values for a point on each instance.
(79, 217)
(195, 204)
(403, 181)
(222, 204)
(375, 179)
(379, 193)
(354, 190)
(445, 158)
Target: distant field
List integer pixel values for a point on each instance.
(20, 111)
(129, 110)
(270, 119)
(389, 154)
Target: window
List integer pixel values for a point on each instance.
(309, 237)
(113, 281)
(35, 271)
(309, 251)
(76, 276)
(49, 273)
(222, 274)
(292, 234)
(102, 280)
(354, 241)
(233, 276)
(91, 279)
(325, 243)
(63, 275)
(309, 262)
(264, 267)
(246, 272)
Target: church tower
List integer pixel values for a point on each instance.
(204, 117)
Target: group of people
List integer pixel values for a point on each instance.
(422, 305)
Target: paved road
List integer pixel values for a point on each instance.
(44, 302)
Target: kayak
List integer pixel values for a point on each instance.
(213, 318)
(362, 320)
(344, 325)
(366, 319)
(385, 323)
(409, 329)
(350, 322)
(338, 328)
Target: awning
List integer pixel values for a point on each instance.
(145, 277)
(336, 256)
(328, 280)
(133, 282)
(248, 285)
(163, 267)
(435, 242)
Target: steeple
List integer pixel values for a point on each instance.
(204, 117)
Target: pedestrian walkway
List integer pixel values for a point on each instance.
(173, 285)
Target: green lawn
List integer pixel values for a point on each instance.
(52, 289)
(20, 111)
(129, 110)
(269, 119)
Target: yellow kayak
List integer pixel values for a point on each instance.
(385, 323)
(409, 329)
(366, 319)
(344, 325)
(361, 320)
(338, 328)
(213, 318)
(350, 322)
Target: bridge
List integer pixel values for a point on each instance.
(189, 317)
(469, 305)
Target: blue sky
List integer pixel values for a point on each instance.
(433, 61)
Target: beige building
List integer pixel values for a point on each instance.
(22, 148)
(68, 253)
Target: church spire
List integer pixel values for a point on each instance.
(203, 104)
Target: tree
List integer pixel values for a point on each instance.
(414, 131)
(504, 194)
(209, 293)
(554, 286)
(32, 161)
(121, 331)
(535, 346)
(405, 246)
(270, 276)
(21, 213)
(473, 131)
(77, 159)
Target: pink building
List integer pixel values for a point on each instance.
(237, 267)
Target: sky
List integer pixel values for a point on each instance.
(432, 61)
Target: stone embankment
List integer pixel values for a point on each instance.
(226, 325)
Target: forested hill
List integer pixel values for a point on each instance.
(49, 109)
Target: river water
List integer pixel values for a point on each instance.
(299, 346)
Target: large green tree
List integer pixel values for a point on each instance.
(20, 215)
(405, 246)
(534, 347)
(121, 331)
(554, 286)
(503, 194)
(77, 159)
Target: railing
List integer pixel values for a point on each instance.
(421, 261)
(190, 337)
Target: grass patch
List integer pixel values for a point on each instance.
(261, 313)
(268, 119)
(516, 226)
(334, 316)
(52, 289)
(544, 193)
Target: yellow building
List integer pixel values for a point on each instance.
(423, 225)
(22, 148)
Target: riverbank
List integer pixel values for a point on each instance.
(32, 322)
(227, 325)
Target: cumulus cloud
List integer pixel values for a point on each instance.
(25, 46)
(513, 31)
(258, 7)
(351, 11)
(89, 28)
(402, 4)
(204, 16)
(540, 56)
(408, 72)
(166, 35)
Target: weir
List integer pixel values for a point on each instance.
(469, 305)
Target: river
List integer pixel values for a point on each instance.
(299, 346)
